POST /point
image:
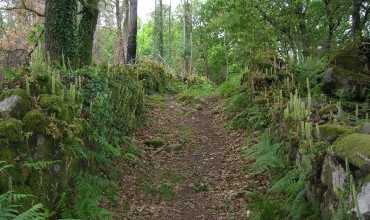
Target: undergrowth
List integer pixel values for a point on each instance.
(76, 124)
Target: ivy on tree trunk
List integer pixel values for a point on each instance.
(60, 31)
(86, 31)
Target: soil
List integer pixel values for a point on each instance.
(193, 171)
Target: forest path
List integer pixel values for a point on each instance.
(192, 169)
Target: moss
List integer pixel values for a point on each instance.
(24, 104)
(35, 121)
(11, 131)
(327, 109)
(334, 130)
(7, 154)
(54, 105)
(353, 147)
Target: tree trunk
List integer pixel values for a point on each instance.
(161, 52)
(125, 28)
(356, 19)
(119, 51)
(60, 29)
(86, 31)
(170, 33)
(329, 17)
(187, 37)
(132, 33)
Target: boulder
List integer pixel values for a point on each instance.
(349, 75)
(354, 147)
(345, 83)
(9, 105)
(333, 175)
(363, 201)
(331, 132)
(365, 129)
(14, 103)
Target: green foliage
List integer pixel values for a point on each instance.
(74, 118)
(10, 131)
(268, 155)
(90, 190)
(310, 68)
(196, 89)
(9, 208)
(231, 86)
(286, 195)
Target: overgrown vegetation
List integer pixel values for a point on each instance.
(68, 128)
(293, 74)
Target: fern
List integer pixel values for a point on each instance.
(9, 208)
(40, 165)
(34, 213)
(268, 155)
(4, 166)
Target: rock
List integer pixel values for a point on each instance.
(15, 103)
(43, 147)
(10, 131)
(155, 142)
(330, 187)
(348, 75)
(333, 175)
(365, 129)
(363, 200)
(355, 147)
(345, 83)
(9, 105)
(330, 132)
(174, 147)
(198, 107)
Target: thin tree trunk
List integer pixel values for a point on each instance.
(119, 51)
(187, 37)
(329, 17)
(132, 33)
(125, 28)
(356, 19)
(226, 55)
(161, 29)
(170, 33)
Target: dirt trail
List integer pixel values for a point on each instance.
(196, 174)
